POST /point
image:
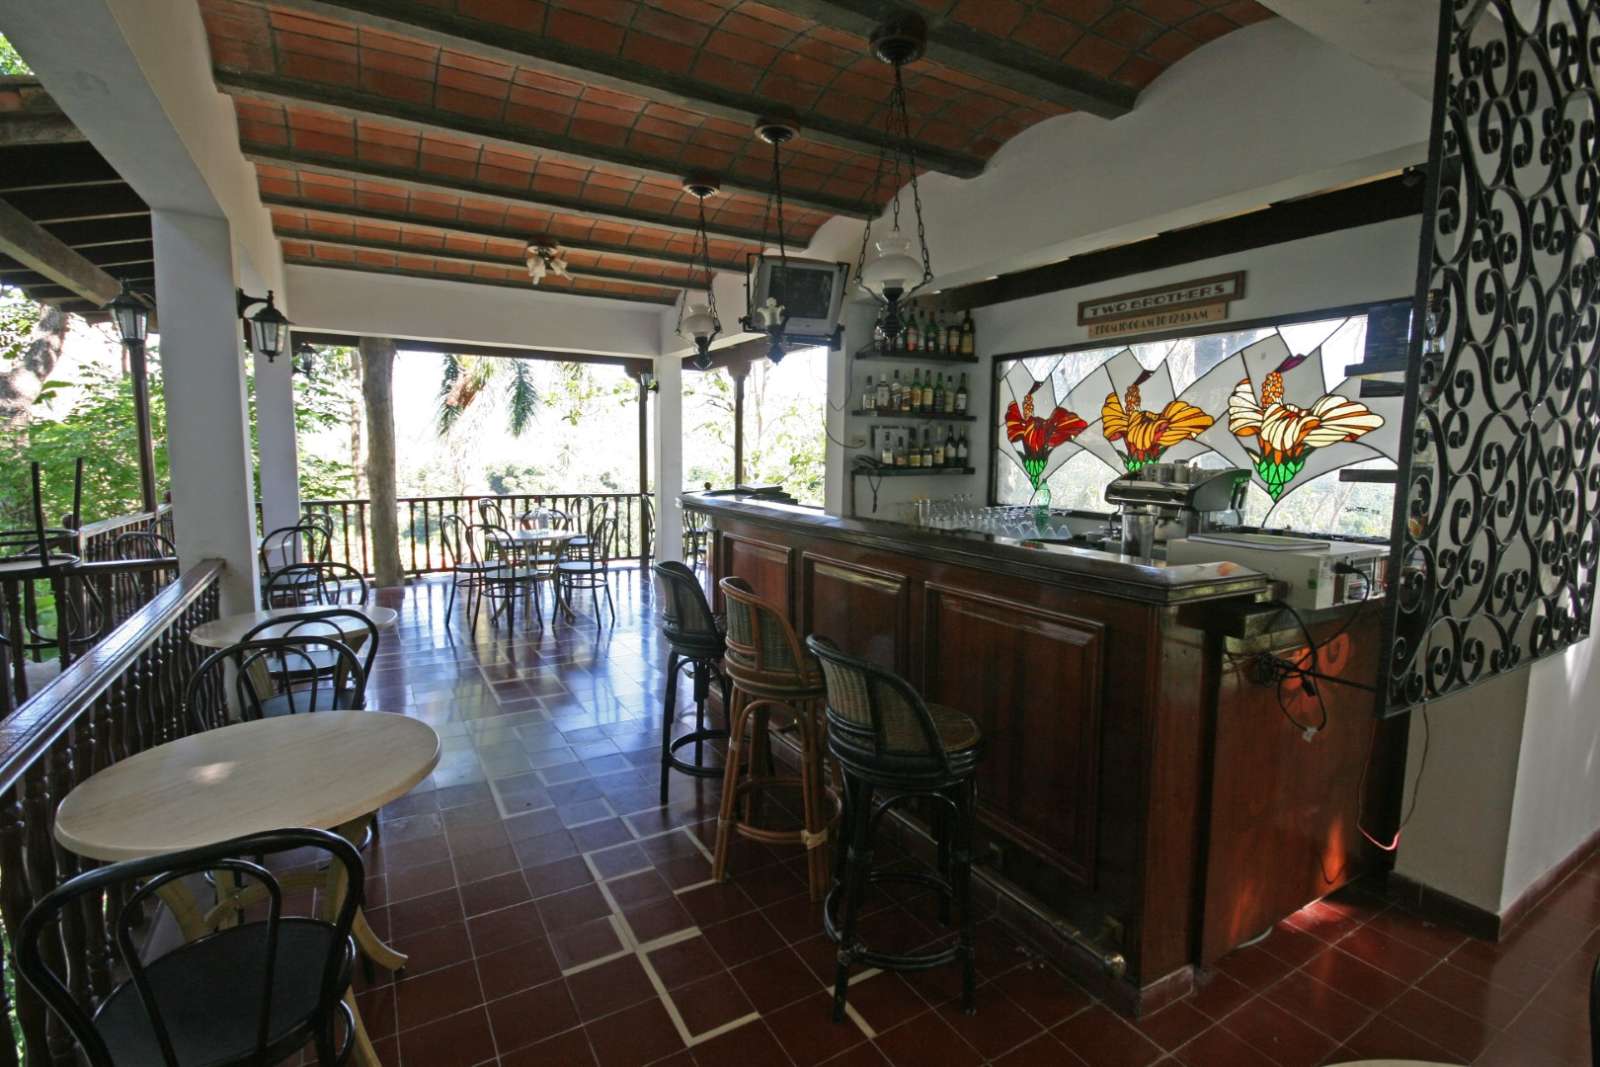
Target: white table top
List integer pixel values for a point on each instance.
(230, 629)
(544, 534)
(321, 770)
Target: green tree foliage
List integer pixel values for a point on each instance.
(10, 62)
(465, 379)
(99, 427)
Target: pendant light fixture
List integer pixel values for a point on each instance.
(893, 272)
(771, 317)
(698, 320)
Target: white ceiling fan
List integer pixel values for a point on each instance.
(543, 259)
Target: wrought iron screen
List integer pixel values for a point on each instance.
(1497, 535)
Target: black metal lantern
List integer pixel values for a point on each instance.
(894, 273)
(130, 317)
(269, 330)
(772, 317)
(698, 321)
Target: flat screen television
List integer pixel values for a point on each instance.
(811, 290)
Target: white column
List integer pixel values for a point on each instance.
(202, 368)
(846, 380)
(669, 457)
(275, 441)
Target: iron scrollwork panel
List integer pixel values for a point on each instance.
(1497, 525)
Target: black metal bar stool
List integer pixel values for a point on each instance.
(889, 742)
(695, 638)
(771, 672)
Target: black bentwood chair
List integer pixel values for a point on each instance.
(275, 676)
(695, 639)
(892, 747)
(250, 994)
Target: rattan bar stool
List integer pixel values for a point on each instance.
(893, 747)
(772, 673)
(694, 637)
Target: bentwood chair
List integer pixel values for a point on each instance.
(249, 994)
(275, 676)
(143, 544)
(695, 640)
(892, 747)
(512, 575)
(345, 624)
(588, 566)
(696, 537)
(772, 674)
(300, 584)
(490, 513)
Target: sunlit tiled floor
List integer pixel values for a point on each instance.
(555, 914)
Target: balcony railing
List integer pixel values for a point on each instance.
(121, 697)
(421, 519)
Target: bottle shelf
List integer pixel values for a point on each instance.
(914, 416)
(905, 472)
(913, 357)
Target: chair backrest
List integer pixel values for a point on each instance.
(124, 890)
(307, 671)
(315, 583)
(304, 542)
(759, 638)
(876, 717)
(490, 511)
(143, 544)
(491, 542)
(686, 614)
(343, 623)
(454, 535)
(599, 543)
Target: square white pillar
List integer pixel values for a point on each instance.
(275, 442)
(669, 458)
(202, 366)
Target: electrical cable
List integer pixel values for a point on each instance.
(1416, 785)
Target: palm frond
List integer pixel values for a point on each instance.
(524, 398)
(461, 383)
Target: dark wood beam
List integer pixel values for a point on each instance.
(424, 22)
(440, 276)
(499, 233)
(46, 166)
(363, 171)
(28, 279)
(116, 254)
(451, 348)
(979, 55)
(93, 232)
(50, 293)
(457, 257)
(75, 203)
(28, 243)
(1377, 201)
(354, 104)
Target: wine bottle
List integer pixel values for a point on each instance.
(950, 448)
(914, 458)
(962, 453)
(961, 397)
(913, 335)
(938, 452)
(900, 451)
(952, 336)
(886, 450)
(969, 335)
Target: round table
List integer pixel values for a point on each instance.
(328, 770)
(230, 629)
(544, 535)
(321, 770)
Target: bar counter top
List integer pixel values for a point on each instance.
(1108, 573)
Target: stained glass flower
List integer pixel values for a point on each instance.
(1147, 434)
(1289, 433)
(1036, 436)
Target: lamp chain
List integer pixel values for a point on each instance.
(911, 163)
(705, 253)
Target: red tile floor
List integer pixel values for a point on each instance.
(556, 915)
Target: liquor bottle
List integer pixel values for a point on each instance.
(913, 335)
(969, 335)
(950, 448)
(938, 395)
(882, 403)
(916, 390)
(900, 450)
(914, 455)
(894, 392)
(880, 336)
(950, 396)
(926, 393)
(961, 397)
(963, 455)
(950, 340)
(869, 396)
(927, 451)
(938, 452)
(886, 450)
(927, 327)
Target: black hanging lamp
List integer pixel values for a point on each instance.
(771, 316)
(698, 319)
(130, 316)
(893, 273)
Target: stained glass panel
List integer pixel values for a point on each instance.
(1274, 401)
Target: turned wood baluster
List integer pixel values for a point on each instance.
(61, 776)
(38, 813)
(16, 897)
(86, 760)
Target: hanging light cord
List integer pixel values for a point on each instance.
(897, 141)
(705, 256)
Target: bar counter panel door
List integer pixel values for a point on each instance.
(1031, 677)
(862, 609)
(766, 565)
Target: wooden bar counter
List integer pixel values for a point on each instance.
(1145, 803)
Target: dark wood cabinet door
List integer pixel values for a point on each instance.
(766, 565)
(864, 610)
(1031, 677)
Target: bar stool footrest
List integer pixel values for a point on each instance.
(693, 736)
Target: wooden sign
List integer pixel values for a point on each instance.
(1164, 307)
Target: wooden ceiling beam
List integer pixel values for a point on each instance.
(122, 253)
(27, 279)
(47, 166)
(980, 55)
(91, 233)
(354, 104)
(362, 171)
(28, 243)
(451, 348)
(423, 22)
(441, 276)
(78, 203)
(498, 233)
(458, 257)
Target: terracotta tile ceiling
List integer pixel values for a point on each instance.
(472, 126)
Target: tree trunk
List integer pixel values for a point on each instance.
(358, 460)
(377, 387)
(22, 381)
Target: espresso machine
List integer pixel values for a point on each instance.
(1164, 501)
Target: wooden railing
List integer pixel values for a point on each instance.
(97, 540)
(121, 697)
(422, 517)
